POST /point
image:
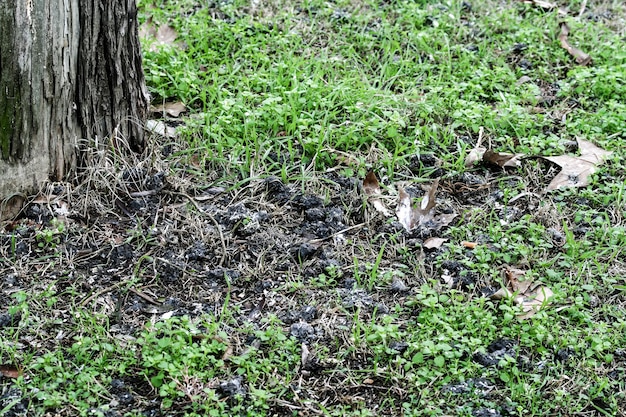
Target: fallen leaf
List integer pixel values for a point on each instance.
(502, 160)
(147, 29)
(411, 217)
(166, 35)
(581, 57)
(576, 170)
(160, 128)
(546, 5)
(371, 187)
(10, 371)
(404, 210)
(425, 211)
(434, 242)
(517, 283)
(535, 301)
(530, 296)
(171, 108)
(475, 155)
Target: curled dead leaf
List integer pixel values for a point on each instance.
(516, 281)
(10, 371)
(412, 217)
(502, 160)
(535, 301)
(404, 210)
(474, 156)
(371, 188)
(581, 57)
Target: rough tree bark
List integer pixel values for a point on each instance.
(69, 70)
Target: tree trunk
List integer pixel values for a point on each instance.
(69, 70)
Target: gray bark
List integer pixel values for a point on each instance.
(69, 70)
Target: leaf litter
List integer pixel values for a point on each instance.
(530, 296)
(371, 188)
(581, 57)
(575, 170)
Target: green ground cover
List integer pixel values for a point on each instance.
(299, 90)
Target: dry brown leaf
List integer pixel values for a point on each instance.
(434, 242)
(147, 29)
(163, 35)
(581, 57)
(425, 211)
(10, 371)
(576, 170)
(371, 188)
(166, 35)
(502, 160)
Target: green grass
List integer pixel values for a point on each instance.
(279, 86)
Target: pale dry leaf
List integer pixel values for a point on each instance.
(528, 295)
(434, 242)
(371, 188)
(535, 301)
(448, 280)
(501, 294)
(160, 128)
(425, 212)
(174, 108)
(444, 219)
(576, 170)
(592, 153)
(411, 217)
(581, 57)
(474, 156)
(404, 210)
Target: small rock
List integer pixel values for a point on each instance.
(486, 412)
(563, 355)
(8, 319)
(308, 313)
(398, 285)
(305, 251)
(302, 331)
(315, 214)
(232, 387)
(399, 347)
